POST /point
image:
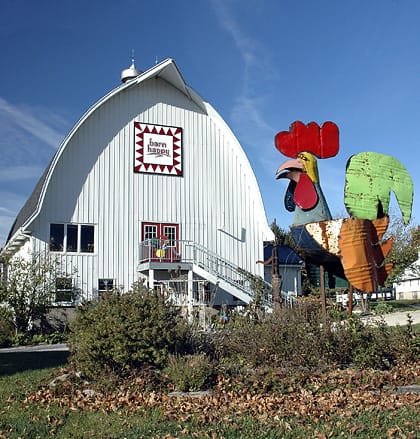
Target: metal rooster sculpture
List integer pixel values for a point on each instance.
(352, 248)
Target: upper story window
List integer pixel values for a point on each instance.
(72, 238)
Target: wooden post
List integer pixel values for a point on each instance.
(275, 279)
(350, 307)
(323, 299)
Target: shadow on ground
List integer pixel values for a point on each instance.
(12, 362)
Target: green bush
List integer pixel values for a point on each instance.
(383, 307)
(188, 372)
(122, 333)
(7, 329)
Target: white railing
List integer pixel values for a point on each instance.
(153, 250)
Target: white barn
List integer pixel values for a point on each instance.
(149, 184)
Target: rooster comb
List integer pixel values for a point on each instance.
(321, 141)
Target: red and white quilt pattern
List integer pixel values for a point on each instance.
(158, 149)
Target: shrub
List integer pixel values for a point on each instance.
(7, 329)
(29, 289)
(287, 339)
(383, 308)
(188, 372)
(295, 340)
(407, 342)
(122, 333)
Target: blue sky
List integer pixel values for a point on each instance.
(261, 63)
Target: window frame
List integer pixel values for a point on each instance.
(76, 231)
(106, 290)
(67, 289)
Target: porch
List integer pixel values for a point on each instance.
(164, 261)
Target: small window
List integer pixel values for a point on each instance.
(150, 232)
(170, 233)
(87, 239)
(105, 285)
(56, 237)
(72, 237)
(64, 291)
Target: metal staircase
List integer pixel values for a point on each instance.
(236, 281)
(212, 267)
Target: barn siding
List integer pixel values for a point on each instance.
(217, 201)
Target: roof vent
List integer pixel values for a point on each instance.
(131, 72)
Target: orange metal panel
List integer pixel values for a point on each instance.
(363, 254)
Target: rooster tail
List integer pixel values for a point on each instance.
(370, 178)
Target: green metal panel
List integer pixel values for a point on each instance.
(370, 178)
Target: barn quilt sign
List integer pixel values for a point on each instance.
(158, 149)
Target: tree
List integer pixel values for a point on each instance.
(405, 250)
(29, 289)
(282, 237)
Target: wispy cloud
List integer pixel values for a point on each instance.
(250, 106)
(18, 173)
(246, 45)
(29, 137)
(248, 111)
(26, 121)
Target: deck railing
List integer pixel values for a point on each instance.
(152, 250)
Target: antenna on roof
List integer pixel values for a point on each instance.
(131, 72)
(156, 60)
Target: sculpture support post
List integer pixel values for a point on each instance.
(350, 308)
(323, 299)
(275, 279)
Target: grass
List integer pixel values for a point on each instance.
(21, 417)
(397, 305)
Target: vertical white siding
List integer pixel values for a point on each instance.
(93, 182)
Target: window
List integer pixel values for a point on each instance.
(64, 291)
(159, 230)
(105, 285)
(56, 237)
(87, 239)
(150, 231)
(72, 238)
(170, 232)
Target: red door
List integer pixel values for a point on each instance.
(160, 242)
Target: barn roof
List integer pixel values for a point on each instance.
(285, 254)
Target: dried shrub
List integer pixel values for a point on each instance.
(295, 340)
(188, 372)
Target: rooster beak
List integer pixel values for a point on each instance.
(293, 167)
